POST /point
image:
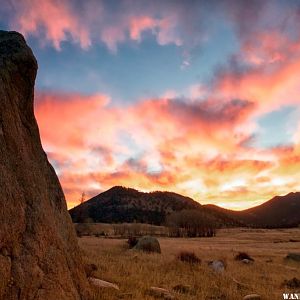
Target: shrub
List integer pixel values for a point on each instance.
(100, 234)
(243, 255)
(293, 283)
(90, 269)
(189, 257)
(132, 241)
(83, 229)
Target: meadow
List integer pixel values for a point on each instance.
(135, 272)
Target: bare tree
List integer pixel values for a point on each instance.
(82, 198)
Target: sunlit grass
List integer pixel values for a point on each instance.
(135, 272)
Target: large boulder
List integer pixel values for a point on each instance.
(39, 255)
(148, 244)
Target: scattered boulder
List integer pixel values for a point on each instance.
(293, 256)
(293, 283)
(269, 260)
(243, 255)
(42, 259)
(247, 261)
(103, 284)
(189, 257)
(148, 244)
(162, 293)
(252, 297)
(184, 289)
(218, 266)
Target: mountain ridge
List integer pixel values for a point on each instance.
(122, 204)
(279, 211)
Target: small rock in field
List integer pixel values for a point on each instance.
(252, 297)
(293, 256)
(148, 244)
(269, 260)
(217, 265)
(103, 284)
(247, 261)
(184, 289)
(160, 293)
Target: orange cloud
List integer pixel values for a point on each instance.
(266, 72)
(55, 109)
(192, 147)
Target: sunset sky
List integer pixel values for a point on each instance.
(200, 98)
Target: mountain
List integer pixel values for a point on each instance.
(120, 204)
(280, 211)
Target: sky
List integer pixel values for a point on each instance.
(201, 98)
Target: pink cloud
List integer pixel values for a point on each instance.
(84, 137)
(140, 24)
(87, 22)
(53, 18)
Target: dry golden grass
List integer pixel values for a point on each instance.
(135, 272)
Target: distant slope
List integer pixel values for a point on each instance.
(120, 204)
(280, 211)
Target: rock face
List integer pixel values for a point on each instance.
(39, 255)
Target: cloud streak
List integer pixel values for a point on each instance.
(184, 24)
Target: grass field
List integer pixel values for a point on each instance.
(135, 272)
